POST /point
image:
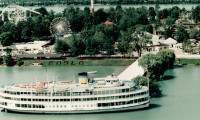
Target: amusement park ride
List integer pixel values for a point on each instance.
(16, 13)
(59, 26)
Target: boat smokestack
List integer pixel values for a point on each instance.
(83, 78)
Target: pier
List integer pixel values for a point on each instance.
(131, 72)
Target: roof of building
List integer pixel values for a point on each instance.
(29, 45)
(156, 40)
(108, 23)
(170, 41)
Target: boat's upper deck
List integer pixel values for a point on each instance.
(97, 84)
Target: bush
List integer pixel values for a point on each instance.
(154, 88)
(28, 63)
(8, 60)
(19, 62)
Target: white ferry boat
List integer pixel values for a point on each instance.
(87, 96)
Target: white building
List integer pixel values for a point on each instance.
(171, 42)
(30, 47)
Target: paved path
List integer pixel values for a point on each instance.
(131, 72)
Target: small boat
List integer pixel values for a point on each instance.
(92, 72)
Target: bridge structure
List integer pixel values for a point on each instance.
(131, 72)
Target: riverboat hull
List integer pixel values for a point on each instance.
(137, 107)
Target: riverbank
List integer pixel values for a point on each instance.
(75, 62)
(186, 61)
(107, 62)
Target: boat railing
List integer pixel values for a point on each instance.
(73, 99)
(69, 93)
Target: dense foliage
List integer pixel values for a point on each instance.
(157, 64)
(154, 87)
(126, 29)
(8, 60)
(85, 2)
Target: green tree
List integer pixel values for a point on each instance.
(88, 18)
(85, 33)
(195, 14)
(8, 50)
(61, 46)
(51, 15)
(115, 15)
(75, 17)
(100, 16)
(41, 26)
(141, 80)
(162, 14)
(123, 42)
(169, 24)
(8, 60)
(193, 33)
(154, 65)
(140, 40)
(181, 34)
(26, 34)
(19, 62)
(6, 38)
(187, 46)
(38, 28)
(157, 7)
(152, 14)
(149, 28)
(175, 12)
(142, 15)
(92, 46)
(76, 45)
(128, 19)
(42, 11)
(199, 49)
(168, 58)
(154, 88)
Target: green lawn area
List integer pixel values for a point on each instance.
(182, 61)
(89, 62)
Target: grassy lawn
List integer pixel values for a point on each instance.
(182, 61)
(88, 63)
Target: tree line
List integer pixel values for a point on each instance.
(87, 2)
(90, 36)
(128, 31)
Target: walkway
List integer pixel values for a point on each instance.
(131, 72)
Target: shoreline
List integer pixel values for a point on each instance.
(31, 4)
(104, 62)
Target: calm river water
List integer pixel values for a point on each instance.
(180, 101)
(59, 9)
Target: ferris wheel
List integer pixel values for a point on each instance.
(60, 26)
(16, 16)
